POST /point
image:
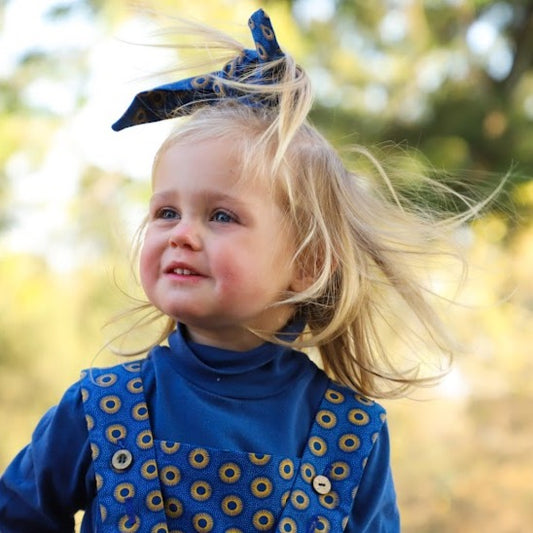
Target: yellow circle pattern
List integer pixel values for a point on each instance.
(232, 505)
(110, 404)
(259, 459)
(334, 396)
(159, 528)
(329, 500)
(349, 442)
(199, 458)
(154, 500)
(132, 367)
(145, 440)
(140, 411)
(202, 522)
(263, 520)
(89, 420)
(95, 451)
(261, 487)
(288, 525)
(123, 492)
(135, 385)
(299, 499)
(201, 491)
(106, 380)
(286, 469)
(169, 448)
(318, 446)
(339, 470)
(229, 472)
(308, 472)
(115, 433)
(326, 419)
(170, 476)
(323, 525)
(173, 508)
(285, 498)
(364, 400)
(127, 525)
(358, 417)
(149, 469)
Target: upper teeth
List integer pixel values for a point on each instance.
(183, 271)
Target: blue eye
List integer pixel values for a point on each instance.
(222, 216)
(167, 213)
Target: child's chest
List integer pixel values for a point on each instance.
(145, 484)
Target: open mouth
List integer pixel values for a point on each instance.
(184, 272)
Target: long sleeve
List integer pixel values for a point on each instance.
(375, 509)
(51, 478)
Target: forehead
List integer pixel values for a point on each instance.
(206, 162)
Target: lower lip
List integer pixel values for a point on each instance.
(185, 277)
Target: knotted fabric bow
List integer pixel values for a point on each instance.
(182, 97)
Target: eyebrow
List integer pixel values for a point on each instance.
(210, 196)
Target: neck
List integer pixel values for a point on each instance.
(238, 341)
(240, 338)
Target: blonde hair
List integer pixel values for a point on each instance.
(359, 243)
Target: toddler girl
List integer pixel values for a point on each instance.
(258, 243)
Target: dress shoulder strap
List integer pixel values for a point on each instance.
(345, 429)
(122, 446)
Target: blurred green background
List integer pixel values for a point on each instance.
(449, 79)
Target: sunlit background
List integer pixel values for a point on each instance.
(450, 81)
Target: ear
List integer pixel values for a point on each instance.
(302, 279)
(305, 274)
(301, 284)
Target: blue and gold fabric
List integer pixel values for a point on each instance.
(182, 97)
(150, 485)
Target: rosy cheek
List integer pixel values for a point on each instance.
(147, 265)
(228, 273)
(228, 278)
(240, 281)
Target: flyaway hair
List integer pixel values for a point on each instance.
(363, 248)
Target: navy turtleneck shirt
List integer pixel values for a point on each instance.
(263, 401)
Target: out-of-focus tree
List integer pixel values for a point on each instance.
(452, 79)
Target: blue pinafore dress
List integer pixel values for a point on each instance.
(156, 486)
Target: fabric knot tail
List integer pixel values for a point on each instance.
(184, 96)
(266, 45)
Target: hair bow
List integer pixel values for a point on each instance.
(182, 97)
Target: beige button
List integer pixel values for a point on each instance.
(321, 484)
(121, 460)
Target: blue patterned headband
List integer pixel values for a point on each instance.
(182, 97)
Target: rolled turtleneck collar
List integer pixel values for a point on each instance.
(261, 372)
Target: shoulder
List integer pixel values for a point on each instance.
(120, 375)
(112, 390)
(347, 424)
(355, 404)
(108, 375)
(351, 423)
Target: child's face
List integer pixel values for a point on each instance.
(216, 253)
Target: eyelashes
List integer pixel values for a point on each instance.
(223, 216)
(166, 213)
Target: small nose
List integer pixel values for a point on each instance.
(185, 235)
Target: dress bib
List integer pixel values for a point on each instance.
(156, 486)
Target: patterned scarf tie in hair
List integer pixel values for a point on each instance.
(182, 97)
